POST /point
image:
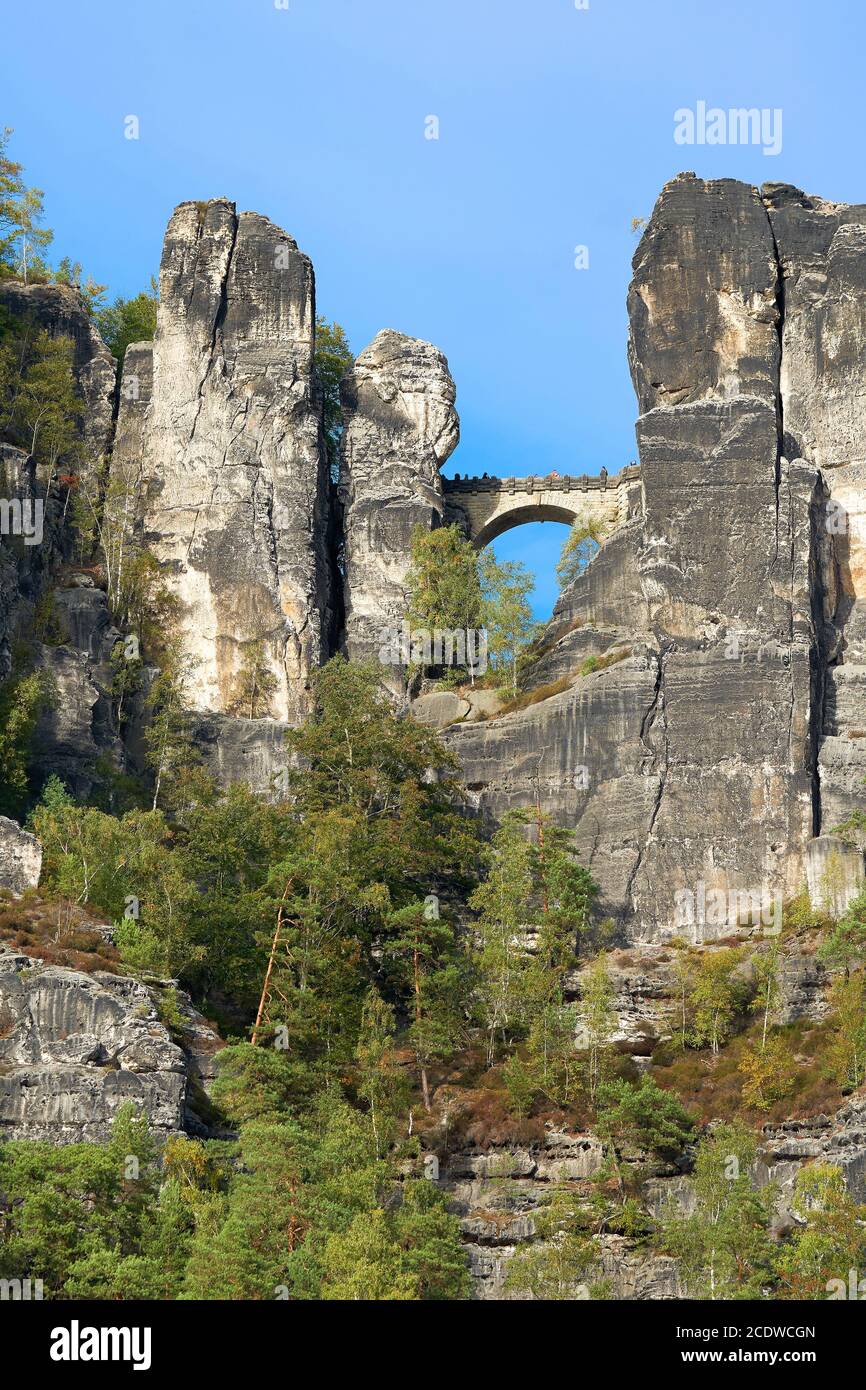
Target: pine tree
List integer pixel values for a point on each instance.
(432, 972)
(380, 1082)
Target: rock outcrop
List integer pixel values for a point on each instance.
(61, 312)
(714, 734)
(229, 453)
(20, 857)
(822, 254)
(400, 425)
(74, 1047)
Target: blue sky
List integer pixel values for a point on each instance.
(555, 129)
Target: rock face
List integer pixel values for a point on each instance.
(839, 1139)
(20, 857)
(60, 310)
(822, 252)
(713, 752)
(23, 565)
(498, 1193)
(243, 750)
(75, 1047)
(232, 464)
(400, 426)
(834, 873)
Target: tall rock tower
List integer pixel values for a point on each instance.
(400, 427)
(725, 740)
(233, 475)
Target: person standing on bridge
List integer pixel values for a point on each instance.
(603, 476)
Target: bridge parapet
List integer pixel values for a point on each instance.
(486, 507)
(550, 482)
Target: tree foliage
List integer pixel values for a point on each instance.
(128, 321)
(333, 358)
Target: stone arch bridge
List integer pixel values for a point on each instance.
(489, 506)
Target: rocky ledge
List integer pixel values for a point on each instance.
(74, 1047)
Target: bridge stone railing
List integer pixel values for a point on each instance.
(549, 483)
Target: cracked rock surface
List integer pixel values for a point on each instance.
(226, 435)
(400, 426)
(733, 730)
(75, 1047)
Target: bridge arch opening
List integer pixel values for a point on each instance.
(522, 516)
(537, 545)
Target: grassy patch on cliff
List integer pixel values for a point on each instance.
(58, 933)
(534, 697)
(712, 1086)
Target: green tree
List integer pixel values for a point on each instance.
(443, 584)
(643, 1117)
(598, 1021)
(845, 946)
(559, 1263)
(247, 1253)
(374, 815)
(333, 358)
(536, 892)
(502, 902)
(170, 752)
(362, 759)
(767, 989)
(579, 549)
(506, 613)
(23, 697)
(93, 1220)
(724, 1247)
(847, 1054)
(228, 844)
(719, 993)
(40, 409)
(567, 893)
(366, 1263)
(768, 1072)
(381, 1084)
(128, 321)
(21, 237)
(255, 685)
(431, 971)
(433, 1249)
(829, 1243)
(68, 272)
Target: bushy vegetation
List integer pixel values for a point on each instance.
(375, 964)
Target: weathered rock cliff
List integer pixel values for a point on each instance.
(74, 1047)
(400, 426)
(227, 443)
(61, 312)
(702, 755)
